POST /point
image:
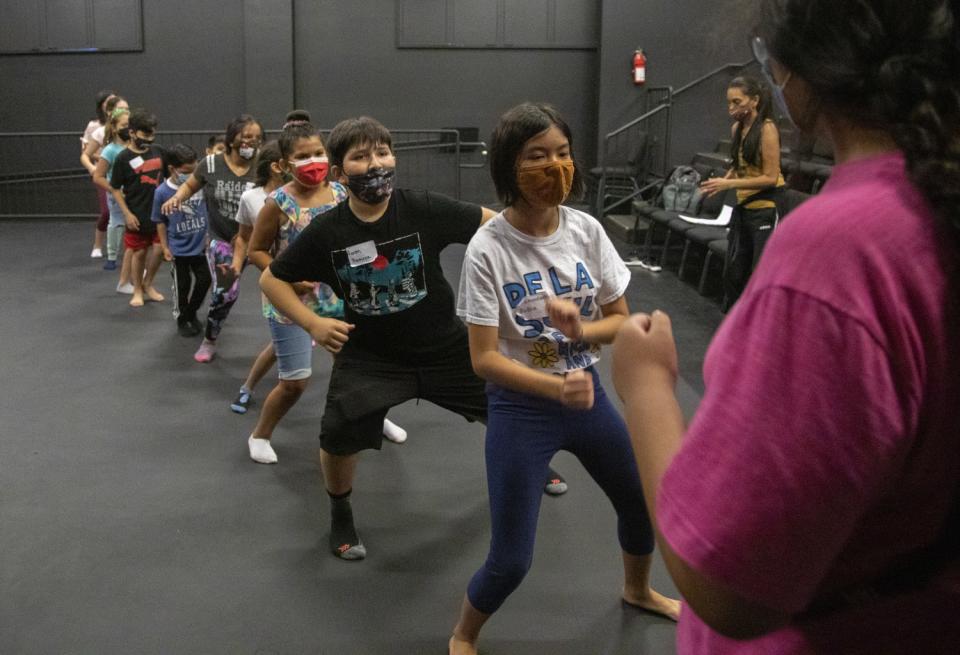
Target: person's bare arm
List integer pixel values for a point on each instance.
(89, 156)
(486, 214)
(330, 333)
(264, 234)
(131, 220)
(162, 234)
(186, 190)
(574, 389)
(565, 316)
(100, 175)
(645, 375)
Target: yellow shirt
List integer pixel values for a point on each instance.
(745, 170)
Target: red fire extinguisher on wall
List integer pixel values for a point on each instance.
(639, 68)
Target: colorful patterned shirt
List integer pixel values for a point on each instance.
(322, 300)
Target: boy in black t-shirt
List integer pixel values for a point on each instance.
(137, 172)
(401, 339)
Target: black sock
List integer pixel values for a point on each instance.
(344, 541)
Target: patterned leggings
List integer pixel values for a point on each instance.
(226, 286)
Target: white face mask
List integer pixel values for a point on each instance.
(247, 152)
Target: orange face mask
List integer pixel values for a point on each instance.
(546, 184)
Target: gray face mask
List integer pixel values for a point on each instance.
(247, 152)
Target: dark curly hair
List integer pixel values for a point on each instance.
(887, 64)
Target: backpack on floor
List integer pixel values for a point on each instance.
(681, 192)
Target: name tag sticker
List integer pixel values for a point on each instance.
(362, 253)
(136, 163)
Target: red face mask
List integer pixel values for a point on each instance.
(312, 171)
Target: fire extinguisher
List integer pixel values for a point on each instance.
(639, 68)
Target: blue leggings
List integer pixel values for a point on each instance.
(523, 433)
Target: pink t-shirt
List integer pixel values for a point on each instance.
(828, 440)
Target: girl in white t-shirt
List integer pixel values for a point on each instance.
(542, 287)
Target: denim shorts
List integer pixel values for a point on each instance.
(294, 349)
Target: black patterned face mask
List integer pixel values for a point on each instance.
(374, 186)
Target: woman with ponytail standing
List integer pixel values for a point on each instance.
(811, 504)
(756, 176)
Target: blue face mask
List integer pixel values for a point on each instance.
(182, 177)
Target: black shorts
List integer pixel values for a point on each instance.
(364, 386)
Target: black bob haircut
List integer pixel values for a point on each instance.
(516, 127)
(179, 155)
(142, 120)
(353, 132)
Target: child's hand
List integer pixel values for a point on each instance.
(167, 255)
(170, 206)
(226, 276)
(331, 333)
(577, 390)
(644, 353)
(133, 223)
(565, 316)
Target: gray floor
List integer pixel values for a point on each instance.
(131, 519)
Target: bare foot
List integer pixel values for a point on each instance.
(459, 647)
(154, 295)
(137, 300)
(655, 603)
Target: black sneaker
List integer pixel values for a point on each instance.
(185, 329)
(242, 402)
(196, 325)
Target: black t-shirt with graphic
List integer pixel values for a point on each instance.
(222, 189)
(138, 174)
(388, 272)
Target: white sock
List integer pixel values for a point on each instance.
(393, 432)
(261, 450)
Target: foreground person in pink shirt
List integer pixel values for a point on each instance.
(811, 505)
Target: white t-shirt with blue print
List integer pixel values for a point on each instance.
(508, 276)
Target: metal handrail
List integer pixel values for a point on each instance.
(405, 140)
(714, 72)
(647, 116)
(483, 153)
(600, 210)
